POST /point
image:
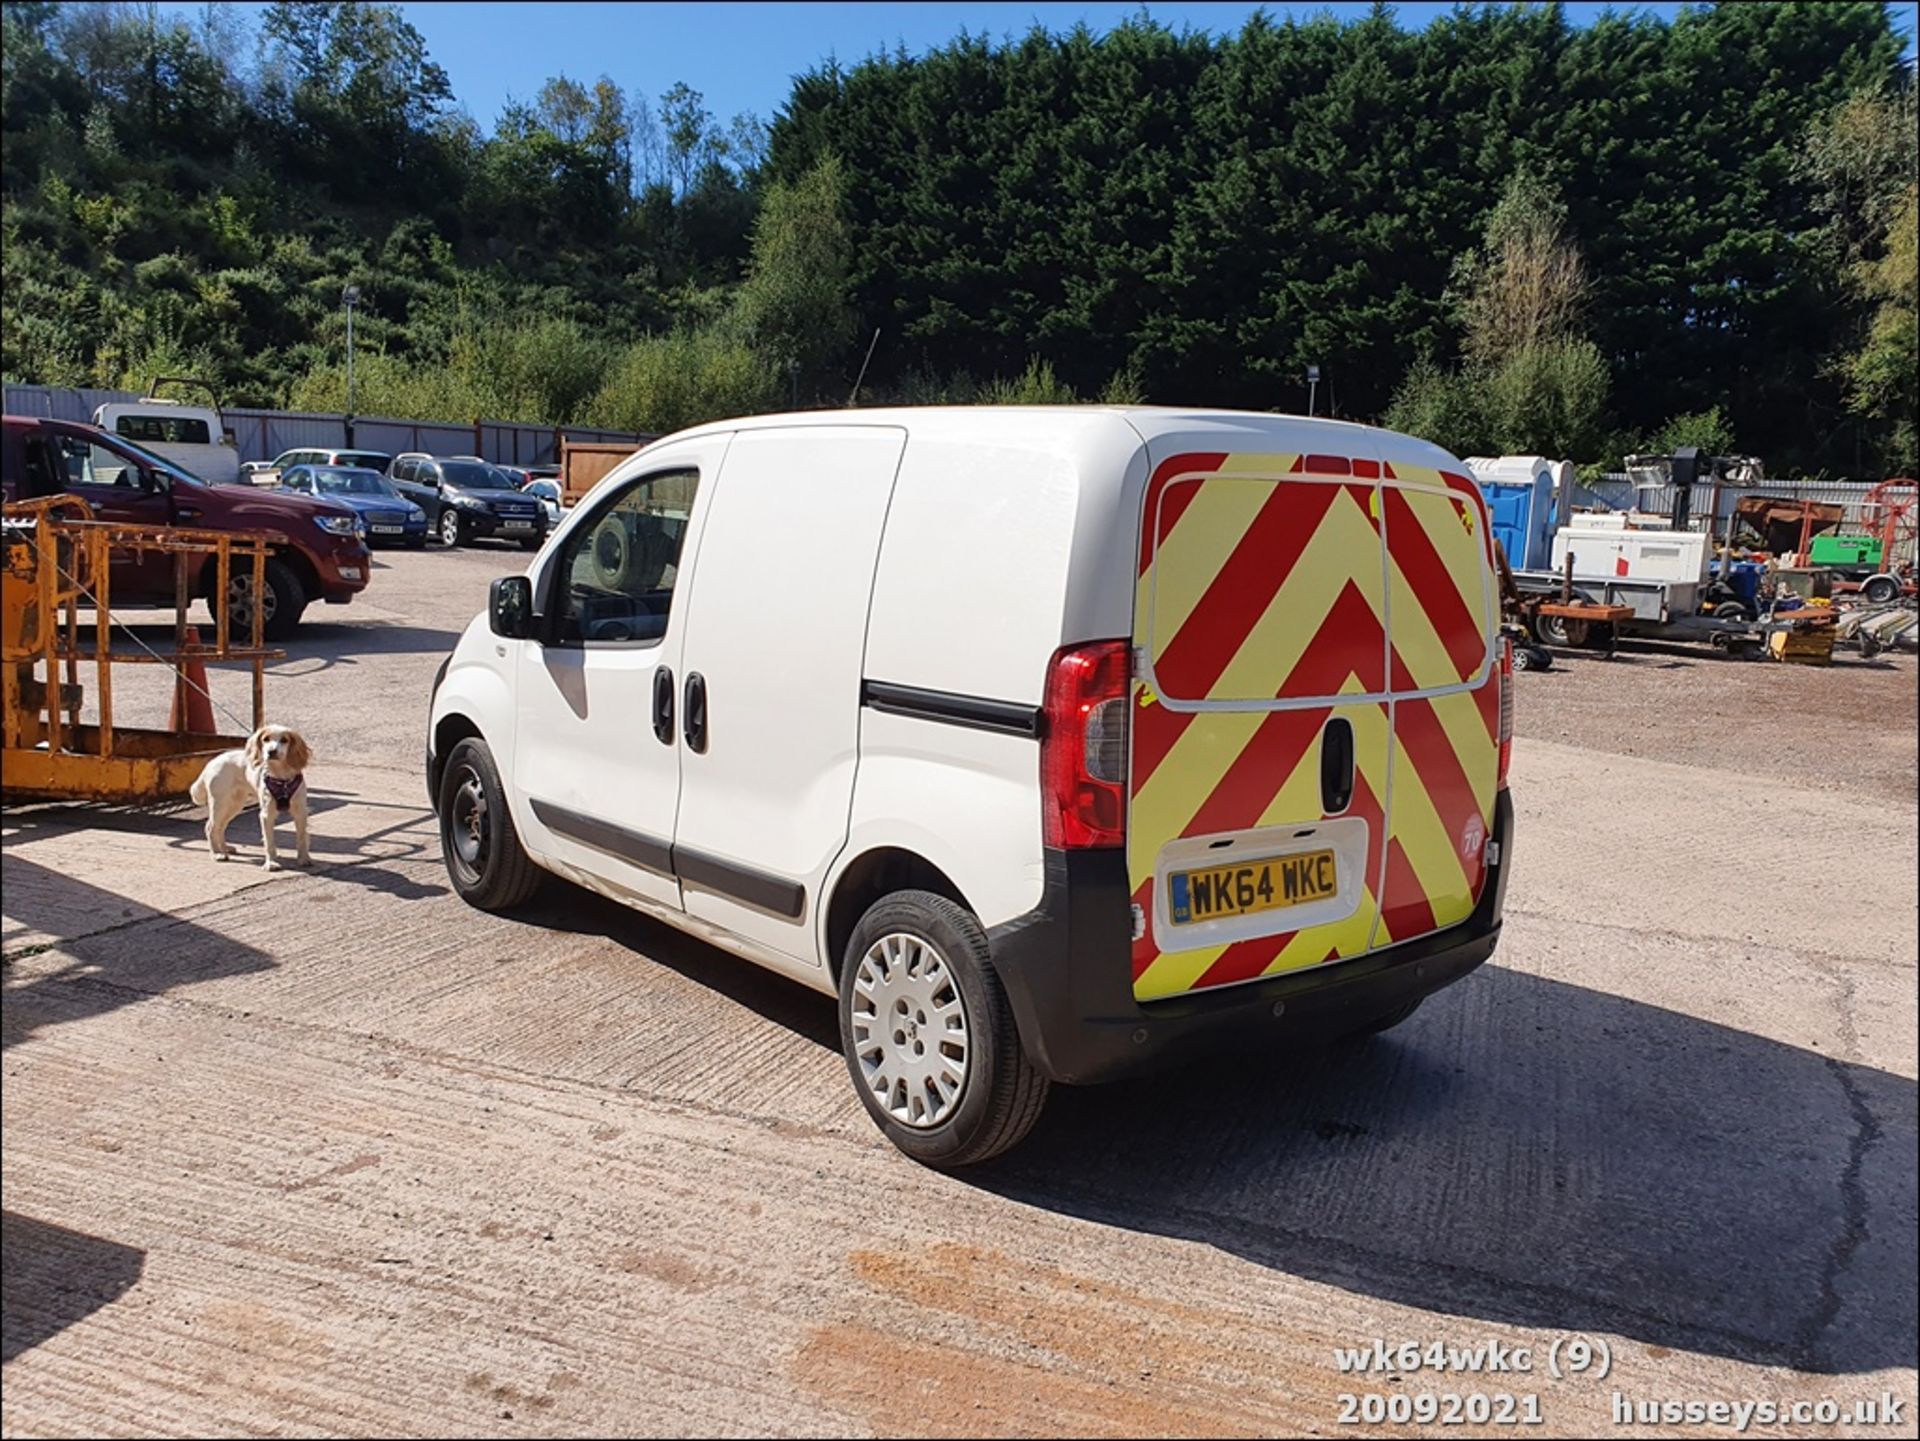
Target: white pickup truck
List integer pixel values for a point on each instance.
(191, 436)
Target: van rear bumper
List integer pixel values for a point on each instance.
(1064, 966)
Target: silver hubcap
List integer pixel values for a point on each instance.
(240, 601)
(450, 528)
(910, 1030)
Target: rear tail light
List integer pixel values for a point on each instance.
(1083, 748)
(1506, 707)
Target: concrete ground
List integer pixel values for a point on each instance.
(329, 1152)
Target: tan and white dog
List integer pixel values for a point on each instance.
(270, 773)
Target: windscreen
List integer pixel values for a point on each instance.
(352, 482)
(473, 475)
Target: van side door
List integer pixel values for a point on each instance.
(597, 751)
(770, 695)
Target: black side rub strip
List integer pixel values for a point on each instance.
(786, 899)
(647, 852)
(974, 712)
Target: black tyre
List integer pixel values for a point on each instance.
(532, 542)
(452, 529)
(1560, 630)
(1881, 589)
(612, 551)
(928, 1035)
(1732, 610)
(489, 868)
(285, 603)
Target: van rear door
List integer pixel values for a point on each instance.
(1315, 748)
(1261, 738)
(1446, 699)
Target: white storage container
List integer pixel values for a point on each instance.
(1608, 553)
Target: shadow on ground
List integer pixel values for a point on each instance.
(408, 836)
(51, 1277)
(84, 984)
(1523, 1151)
(1535, 1154)
(808, 1014)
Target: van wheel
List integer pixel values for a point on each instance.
(928, 1036)
(284, 601)
(488, 866)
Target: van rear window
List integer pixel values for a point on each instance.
(163, 429)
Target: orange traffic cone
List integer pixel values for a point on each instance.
(192, 706)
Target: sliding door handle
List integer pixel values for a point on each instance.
(693, 713)
(663, 704)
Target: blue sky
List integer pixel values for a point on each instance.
(743, 56)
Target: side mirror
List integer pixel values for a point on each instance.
(152, 482)
(510, 607)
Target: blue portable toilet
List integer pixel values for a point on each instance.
(1519, 495)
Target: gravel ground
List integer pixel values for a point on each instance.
(328, 1152)
(1849, 726)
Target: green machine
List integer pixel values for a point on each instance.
(1846, 552)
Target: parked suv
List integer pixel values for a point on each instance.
(467, 499)
(1053, 742)
(321, 552)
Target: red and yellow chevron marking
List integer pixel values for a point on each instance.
(1261, 578)
(1445, 772)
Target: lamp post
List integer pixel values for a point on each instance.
(350, 297)
(1313, 386)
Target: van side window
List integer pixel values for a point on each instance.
(620, 569)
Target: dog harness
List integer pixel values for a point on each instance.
(282, 791)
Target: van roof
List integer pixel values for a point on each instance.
(1085, 429)
(1147, 420)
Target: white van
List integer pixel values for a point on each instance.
(1054, 741)
(191, 436)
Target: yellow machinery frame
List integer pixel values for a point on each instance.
(58, 558)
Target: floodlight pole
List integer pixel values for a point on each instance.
(350, 297)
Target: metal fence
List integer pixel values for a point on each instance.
(264, 434)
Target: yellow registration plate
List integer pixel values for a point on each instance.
(1269, 885)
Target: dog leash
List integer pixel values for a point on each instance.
(178, 671)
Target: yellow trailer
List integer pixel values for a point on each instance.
(59, 561)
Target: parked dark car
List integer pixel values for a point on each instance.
(467, 500)
(389, 515)
(322, 553)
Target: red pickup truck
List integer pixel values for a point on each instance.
(321, 551)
